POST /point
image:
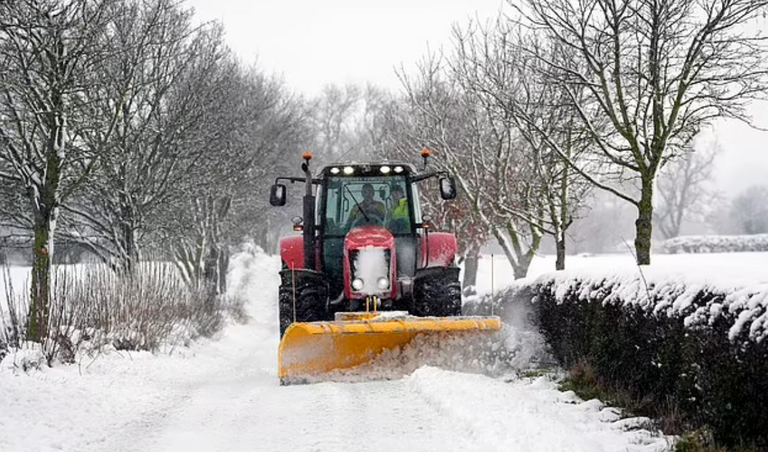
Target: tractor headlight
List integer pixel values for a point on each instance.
(383, 282)
(357, 284)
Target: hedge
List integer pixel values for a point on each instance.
(693, 349)
(716, 244)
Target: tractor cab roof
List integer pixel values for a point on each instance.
(368, 169)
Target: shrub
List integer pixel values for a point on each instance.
(92, 308)
(716, 244)
(693, 351)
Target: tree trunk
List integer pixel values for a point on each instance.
(211, 275)
(44, 205)
(130, 256)
(524, 261)
(215, 273)
(223, 268)
(37, 326)
(521, 262)
(471, 261)
(644, 223)
(128, 232)
(563, 222)
(560, 246)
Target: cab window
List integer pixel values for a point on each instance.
(358, 201)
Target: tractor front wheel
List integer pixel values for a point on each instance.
(437, 292)
(311, 292)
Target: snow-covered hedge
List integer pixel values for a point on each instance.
(716, 244)
(696, 348)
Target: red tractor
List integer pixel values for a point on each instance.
(365, 240)
(366, 248)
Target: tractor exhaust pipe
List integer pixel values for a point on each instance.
(309, 216)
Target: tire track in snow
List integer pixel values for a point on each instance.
(243, 413)
(237, 404)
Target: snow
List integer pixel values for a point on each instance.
(386, 316)
(716, 243)
(12, 278)
(370, 265)
(223, 395)
(722, 269)
(675, 280)
(519, 408)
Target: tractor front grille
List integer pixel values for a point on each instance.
(367, 270)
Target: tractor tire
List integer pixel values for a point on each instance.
(285, 308)
(311, 298)
(437, 293)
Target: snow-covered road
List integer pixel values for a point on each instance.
(223, 395)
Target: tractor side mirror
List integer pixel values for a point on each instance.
(277, 195)
(447, 188)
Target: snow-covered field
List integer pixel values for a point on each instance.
(721, 269)
(223, 395)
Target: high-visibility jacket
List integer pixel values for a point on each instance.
(401, 209)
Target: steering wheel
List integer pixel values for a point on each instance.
(373, 219)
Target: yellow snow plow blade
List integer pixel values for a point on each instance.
(315, 348)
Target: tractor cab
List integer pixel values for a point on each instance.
(373, 195)
(367, 200)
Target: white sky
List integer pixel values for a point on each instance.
(316, 42)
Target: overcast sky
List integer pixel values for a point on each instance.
(316, 42)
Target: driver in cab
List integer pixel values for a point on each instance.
(369, 206)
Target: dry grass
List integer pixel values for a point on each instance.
(92, 308)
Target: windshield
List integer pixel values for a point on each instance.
(358, 201)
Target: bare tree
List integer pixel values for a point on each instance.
(257, 125)
(480, 149)
(371, 128)
(48, 50)
(396, 123)
(658, 71)
(335, 113)
(749, 210)
(155, 47)
(685, 191)
(491, 66)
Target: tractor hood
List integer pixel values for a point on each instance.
(365, 236)
(369, 255)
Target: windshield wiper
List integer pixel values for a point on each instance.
(359, 207)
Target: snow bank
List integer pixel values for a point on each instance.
(739, 268)
(532, 414)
